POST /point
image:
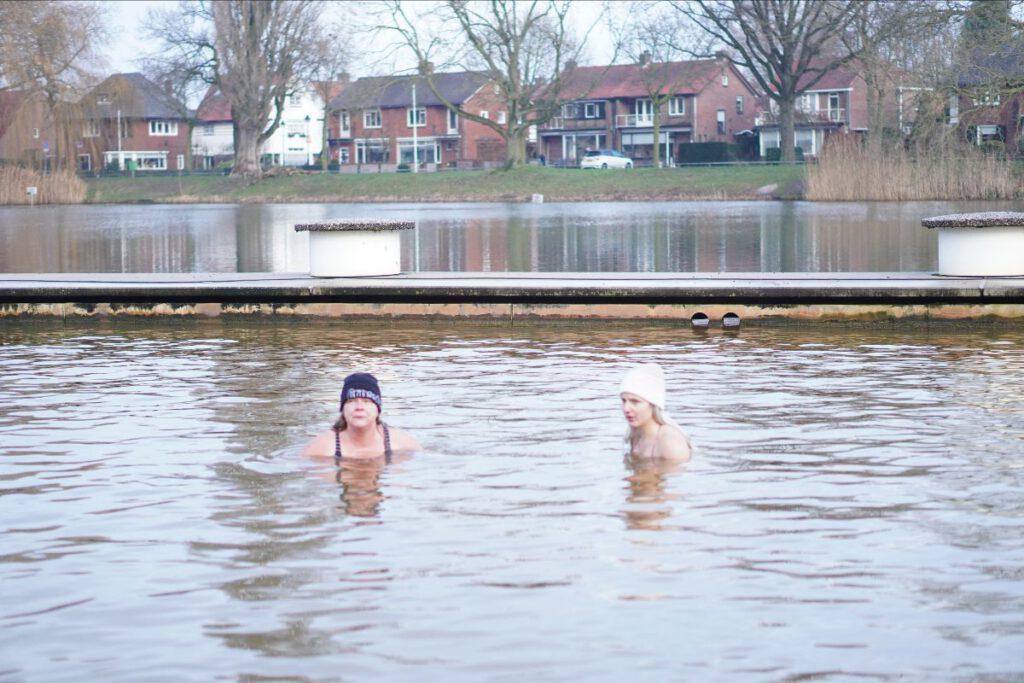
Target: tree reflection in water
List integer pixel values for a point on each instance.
(647, 501)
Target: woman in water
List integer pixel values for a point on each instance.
(359, 433)
(652, 433)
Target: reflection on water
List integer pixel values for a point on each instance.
(609, 237)
(853, 509)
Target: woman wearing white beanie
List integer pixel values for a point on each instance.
(652, 433)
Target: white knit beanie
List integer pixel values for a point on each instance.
(646, 381)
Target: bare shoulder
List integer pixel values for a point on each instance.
(322, 445)
(402, 440)
(673, 444)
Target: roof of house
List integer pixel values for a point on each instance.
(396, 91)
(628, 80)
(214, 106)
(134, 95)
(1006, 64)
(839, 78)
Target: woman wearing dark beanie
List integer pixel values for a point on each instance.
(359, 433)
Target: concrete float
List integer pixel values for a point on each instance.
(355, 248)
(988, 244)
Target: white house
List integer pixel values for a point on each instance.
(297, 141)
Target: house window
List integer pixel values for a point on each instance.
(570, 110)
(209, 129)
(35, 133)
(484, 114)
(677, 106)
(501, 117)
(739, 104)
(343, 155)
(91, 129)
(84, 162)
(720, 120)
(103, 98)
(725, 80)
(296, 130)
(371, 152)
(416, 118)
(181, 162)
(453, 121)
(987, 99)
(593, 110)
(371, 118)
(158, 127)
(833, 100)
(806, 102)
(295, 100)
(344, 123)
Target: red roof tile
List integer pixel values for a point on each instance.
(626, 80)
(214, 107)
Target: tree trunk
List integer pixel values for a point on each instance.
(656, 122)
(875, 95)
(515, 145)
(247, 161)
(189, 166)
(325, 146)
(787, 114)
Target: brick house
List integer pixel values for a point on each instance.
(989, 103)
(130, 122)
(373, 122)
(26, 131)
(611, 107)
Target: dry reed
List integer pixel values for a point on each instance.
(59, 187)
(849, 171)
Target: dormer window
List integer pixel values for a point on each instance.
(677, 106)
(103, 98)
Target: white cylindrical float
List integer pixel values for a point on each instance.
(355, 248)
(980, 244)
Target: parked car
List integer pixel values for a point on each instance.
(605, 158)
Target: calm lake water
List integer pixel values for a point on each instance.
(853, 512)
(608, 237)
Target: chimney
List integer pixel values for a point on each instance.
(645, 58)
(426, 67)
(722, 56)
(344, 77)
(168, 89)
(570, 64)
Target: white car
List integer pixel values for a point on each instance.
(605, 158)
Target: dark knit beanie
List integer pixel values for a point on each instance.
(360, 385)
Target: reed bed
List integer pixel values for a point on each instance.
(59, 187)
(849, 171)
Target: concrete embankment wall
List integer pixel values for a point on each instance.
(765, 297)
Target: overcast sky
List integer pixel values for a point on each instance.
(128, 42)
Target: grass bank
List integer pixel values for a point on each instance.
(733, 182)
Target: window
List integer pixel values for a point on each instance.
(295, 100)
(91, 130)
(157, 127)
(296, 130)
(103, 98)
(371, 118)
(453, 121)
(593, 110)
(344, 123)
(739, 104)
(570, 110)
(725, 80)
(371, 152)
(720, 120)
(343, 155)
(181, 162)
(84, 162)
(987, 99)
(677, 106)
(416, 118)
(484, 114)
(501, 117)
(35, 133)
(833, 100)
(806, 102)
(209, 129)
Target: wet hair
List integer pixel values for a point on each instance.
(341, 425)
(656, 412)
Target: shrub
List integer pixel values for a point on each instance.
(59, 187)
(708, 152)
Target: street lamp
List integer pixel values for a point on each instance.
(309, 149)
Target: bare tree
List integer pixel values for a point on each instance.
(331, 58)
(527, 50)
(48, 52)
(649, 36)
(787, 46)
(253, 51)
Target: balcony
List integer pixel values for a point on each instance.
(634, 121)
(562, 123)
(804, 117)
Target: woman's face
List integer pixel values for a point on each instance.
(636, 410)
(360, 412)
